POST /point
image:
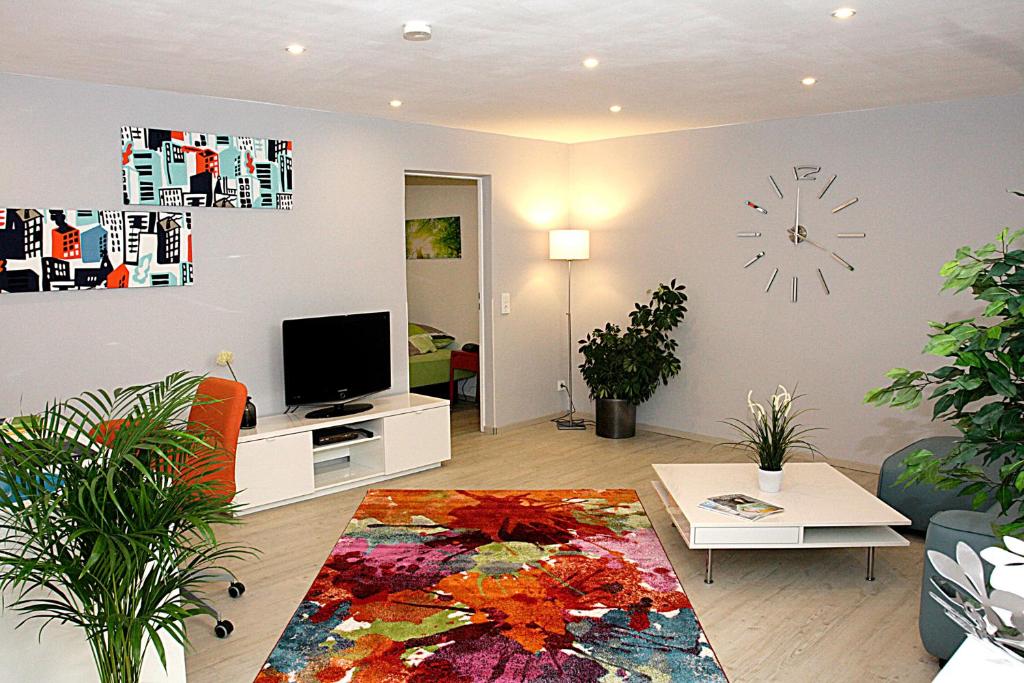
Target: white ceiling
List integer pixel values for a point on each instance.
(514, 67)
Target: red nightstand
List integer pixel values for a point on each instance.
(463, 360)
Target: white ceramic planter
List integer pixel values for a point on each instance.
(769, 481)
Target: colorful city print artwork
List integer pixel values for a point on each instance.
(433, 238)
(47, 250)
(178, 168)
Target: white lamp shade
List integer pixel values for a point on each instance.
(569, 245)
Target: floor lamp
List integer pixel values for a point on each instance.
(569, 246)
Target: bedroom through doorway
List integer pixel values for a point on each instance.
(444, 277)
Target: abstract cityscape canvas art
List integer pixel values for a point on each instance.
(46, 250)
(433, 238)
(179, 168)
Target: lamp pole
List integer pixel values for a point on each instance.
(569, 245)
(569, 422)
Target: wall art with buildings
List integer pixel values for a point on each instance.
(45, 250)
(179, 168)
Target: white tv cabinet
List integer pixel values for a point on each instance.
(277, 463)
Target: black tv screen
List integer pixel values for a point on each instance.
(336, 358)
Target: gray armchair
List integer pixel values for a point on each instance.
(920, 501)
(946, 519)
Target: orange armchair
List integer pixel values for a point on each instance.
(217, 413)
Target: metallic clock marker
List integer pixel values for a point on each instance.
(846, 204)
(748, 234)
(757, 257)
(795, 287)
(824, 285)
(806, 172)
(778, 190)
(755, 207)
(827, 186)
(851, 235)
(771, 280)
(839, 258)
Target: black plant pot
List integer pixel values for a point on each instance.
(616, 418)
(249, 415)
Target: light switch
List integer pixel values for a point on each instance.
(506, 303)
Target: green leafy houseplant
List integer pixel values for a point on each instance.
(629, 364)
(117, 538)
(980, 389)
(773, 435)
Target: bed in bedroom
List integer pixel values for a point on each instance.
(430, 353)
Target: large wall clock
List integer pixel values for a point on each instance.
(794, 234)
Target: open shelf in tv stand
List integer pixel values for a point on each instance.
(277, 463)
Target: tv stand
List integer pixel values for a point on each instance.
(278, 461)
(339, 410)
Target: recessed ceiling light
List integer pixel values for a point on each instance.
(844, 13)
(810, 80)
(395, 103)
(295, 49)
(591, 62)
(615, 108)
(416, 31)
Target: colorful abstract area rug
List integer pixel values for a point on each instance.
(471, 586)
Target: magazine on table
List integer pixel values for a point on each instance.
(740, 505)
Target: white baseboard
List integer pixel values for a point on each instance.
(523, 423)
(692, 436)
(704, 438)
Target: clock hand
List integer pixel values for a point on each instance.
(833, 254)
(796, 219)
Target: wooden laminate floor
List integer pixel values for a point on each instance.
(771, 615)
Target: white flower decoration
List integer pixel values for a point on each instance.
(756, 409)
(225, 358)
(782, 398)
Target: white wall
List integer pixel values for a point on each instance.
(930, 178)
(443, 292)
(340, 250)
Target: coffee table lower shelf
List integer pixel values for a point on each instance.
(749, 536)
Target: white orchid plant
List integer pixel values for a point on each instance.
(772, 436)
(996, 616)
(224, 359)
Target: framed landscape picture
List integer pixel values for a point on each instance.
(433, 238)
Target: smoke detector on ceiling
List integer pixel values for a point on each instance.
(417, 31)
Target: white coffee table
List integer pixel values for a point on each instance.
(823, 509)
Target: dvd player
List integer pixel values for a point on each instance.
(332, 435)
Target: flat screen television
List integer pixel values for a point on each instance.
(335, 359)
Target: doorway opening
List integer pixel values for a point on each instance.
(446, 245)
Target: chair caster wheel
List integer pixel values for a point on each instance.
(223, 629)
(236, 589)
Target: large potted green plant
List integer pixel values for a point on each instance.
(980, 389)
(622, 368)
(113, 535)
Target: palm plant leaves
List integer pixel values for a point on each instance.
(113, 532)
